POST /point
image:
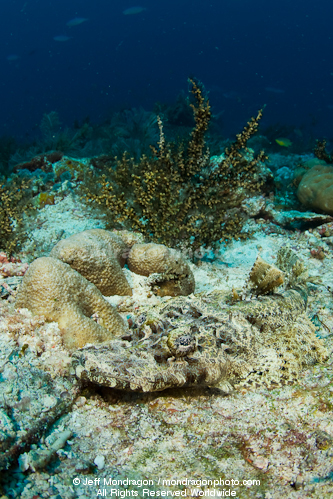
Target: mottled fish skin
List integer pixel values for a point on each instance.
(132, 371)
(277, 309)
(200, 341)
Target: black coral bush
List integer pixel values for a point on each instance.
(177, 196)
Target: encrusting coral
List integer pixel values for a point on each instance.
(53, 289)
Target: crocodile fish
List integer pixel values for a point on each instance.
(209, 341)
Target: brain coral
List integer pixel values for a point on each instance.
(176, 277)
(53, 289)
(99, 256)
(316, 188)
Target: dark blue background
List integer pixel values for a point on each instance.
(237, 48)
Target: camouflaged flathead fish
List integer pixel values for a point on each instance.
(206, 340)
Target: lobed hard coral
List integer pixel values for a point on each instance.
(174, 276)
(99, 256)
(316, 188)
(53, 289)
(67, 286)
(177, 197)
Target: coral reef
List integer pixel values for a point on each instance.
(280, 436)
(55, 137)
(316, 189)
(131, 130)
(53, 289)
(40, 162)
(99, 256)
(245, 392)
(265, 340)
(36, 460)
(177, 196)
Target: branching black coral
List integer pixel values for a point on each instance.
(14, 199)
(176, 196)
(321, 153)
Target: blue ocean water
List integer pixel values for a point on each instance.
(83, 58)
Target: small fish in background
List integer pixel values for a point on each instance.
(274, 90)
(233, 95)
(12, 57)
(76, 21)
(62, 38)
(133, 10)
(283, 142)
